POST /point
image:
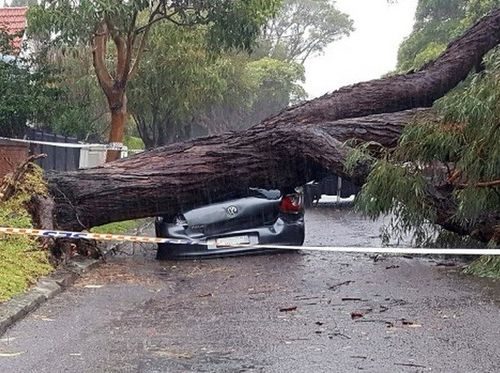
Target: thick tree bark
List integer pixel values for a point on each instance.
(286, 150)
(163, 180)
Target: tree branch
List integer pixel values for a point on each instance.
(480, 184)
(142, 44)
(130, 48)
(121, 52)
(98, 58)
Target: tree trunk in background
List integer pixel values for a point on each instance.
(118, 107)
(285, 150)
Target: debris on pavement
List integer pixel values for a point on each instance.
(351, 298)
(410, 365)
(336, 286)
(357, 315)
(339, 334)
(288, 309)
(205, 295)
(410, 324)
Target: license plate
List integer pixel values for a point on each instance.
(232, 241)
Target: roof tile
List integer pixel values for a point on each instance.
(13, 20)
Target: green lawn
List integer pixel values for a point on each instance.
(21, 261)
(120, 227)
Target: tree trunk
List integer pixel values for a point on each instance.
(163, 180)
(286, 150)
(118, 108)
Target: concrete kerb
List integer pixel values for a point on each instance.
(46, 287)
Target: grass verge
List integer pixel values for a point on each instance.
(120, 227)
(21, 262)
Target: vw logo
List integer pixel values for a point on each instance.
(231, 211)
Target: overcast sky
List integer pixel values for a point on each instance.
(369, 52)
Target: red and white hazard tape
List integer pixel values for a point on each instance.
(344, 249)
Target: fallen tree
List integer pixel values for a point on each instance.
(295, 146)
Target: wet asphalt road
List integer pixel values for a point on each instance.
(296, 312)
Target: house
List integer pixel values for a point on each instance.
(13, 21)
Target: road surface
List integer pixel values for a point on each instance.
(294, 312)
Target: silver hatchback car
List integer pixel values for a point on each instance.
(263, 217)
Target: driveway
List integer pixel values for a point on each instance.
(293, 312)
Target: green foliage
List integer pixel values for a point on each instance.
(236, 24)
(133, 142)
(397, 190)
(485, 266)
(232, 24)
(437, 23)
(121, 227)
(460, 152)
(5, 42)
(477, 105)
(27, 93)
(226, 25)
(464, 143)
(361, 154)
(84, 112)
(426, 142)
(303, 28)
(177, 77)
(21, 263)
(181, 87)
(277, 83)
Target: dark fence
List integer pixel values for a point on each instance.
(58, 158)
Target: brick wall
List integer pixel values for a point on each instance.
(12, 153)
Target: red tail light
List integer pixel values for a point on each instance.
(292, 204)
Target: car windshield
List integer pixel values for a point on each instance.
(265, 193)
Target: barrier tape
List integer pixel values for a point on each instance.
(109, 146)
(342, 249)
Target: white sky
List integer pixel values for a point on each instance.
(369, 52)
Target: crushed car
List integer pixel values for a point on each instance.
(232, 227)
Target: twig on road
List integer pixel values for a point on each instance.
(410, 365)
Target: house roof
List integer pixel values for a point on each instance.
(13, 20)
